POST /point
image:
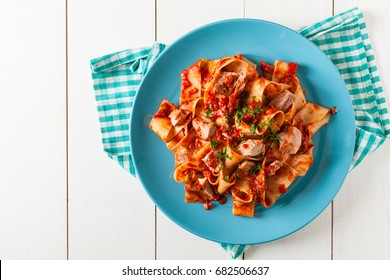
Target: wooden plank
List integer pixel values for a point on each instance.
(110, 216)
(313, 241)
(175, 17)
(172, 241)
(33, 138)
(293, 14)
(361, 210)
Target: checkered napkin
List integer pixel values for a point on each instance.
(343, 38)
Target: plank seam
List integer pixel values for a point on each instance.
(155, 207)
(66, 130)
(331, 212)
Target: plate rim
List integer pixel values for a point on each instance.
(221, 22)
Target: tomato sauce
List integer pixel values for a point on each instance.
(222, 199)
(212, 101)
(289, 74)
(208, 205)
(271, 111)
(266, 67)
(234, 134)
(243, 195)
(206, 77)
(163, 113)
(217, 105)
(282, 188)
(257, 184)
(193, 91)
(254, 104)
(195, 144)
(185, 83)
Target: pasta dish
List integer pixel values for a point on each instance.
(236, 132)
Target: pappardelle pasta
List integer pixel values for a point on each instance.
(239, 133)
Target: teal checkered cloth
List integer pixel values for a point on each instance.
(116, 78)
(343, 38)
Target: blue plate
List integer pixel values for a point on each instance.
(308, 196)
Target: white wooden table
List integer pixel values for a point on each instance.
(61, 197)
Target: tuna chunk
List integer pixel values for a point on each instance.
(178, 116)
(251, 148)
(273, 167)
(283, 101)
(206, 186)
(245, 166)
(203, 129)
(212, 161)
(225, 83)
(290, 140)
(181, 156)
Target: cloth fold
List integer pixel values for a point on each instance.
(343, 38)
(116, 78)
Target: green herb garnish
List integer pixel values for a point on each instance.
(253, 128)
(273, 136)
(223, 155)
(214, 144)
(240, 114)
(254, 169)
(227, 126)
(256, 110)
(209, 112)
(262, 125)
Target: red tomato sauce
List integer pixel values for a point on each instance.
(206, 77)
(282, 188)
(185, 83)
(266, 67)
(163, 113)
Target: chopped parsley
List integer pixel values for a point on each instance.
(262, 125)
(227, 126)
(254, 169)
(273, 136)
(241, 109)
(256, 110)
(240, 113)
(253, 128)
(209, 111)
(246, 112)
(213, 143)
(223, 155)
(228, 177)
(266, 124)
